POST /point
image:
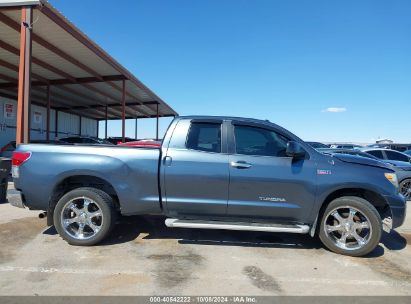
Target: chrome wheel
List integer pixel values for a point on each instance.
(81, 218)
(348, 228)
(405, 189)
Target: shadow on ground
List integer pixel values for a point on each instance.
(129, 228)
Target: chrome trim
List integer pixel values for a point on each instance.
(176, 223)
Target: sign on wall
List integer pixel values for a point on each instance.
(37, 117)
(9, 110)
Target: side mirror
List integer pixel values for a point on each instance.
(295, 150)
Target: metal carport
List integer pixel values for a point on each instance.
(45, 60)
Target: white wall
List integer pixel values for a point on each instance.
(68, 124)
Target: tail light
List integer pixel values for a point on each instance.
(19, 158)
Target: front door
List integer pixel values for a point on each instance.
(264, 182)
(196, 171)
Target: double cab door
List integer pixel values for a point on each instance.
(236, 169)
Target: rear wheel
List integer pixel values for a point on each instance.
(351, 226)
(405, 188)
(84, 216)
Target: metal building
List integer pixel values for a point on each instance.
(55, 81)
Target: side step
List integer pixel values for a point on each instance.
(242, 226)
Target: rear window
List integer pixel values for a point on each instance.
(204, 137)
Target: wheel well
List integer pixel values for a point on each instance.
(74, 182)
(374, 198)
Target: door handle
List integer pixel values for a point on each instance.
(240, 164)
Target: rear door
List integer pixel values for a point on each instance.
(196, 170)
(264, 182)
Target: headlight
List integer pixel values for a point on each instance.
(392, 177)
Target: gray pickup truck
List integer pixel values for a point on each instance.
(213, 173)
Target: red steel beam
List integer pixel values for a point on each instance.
(20, 94)
(24, 70)
(105, 126)
(48, 113)
(56, 123)
(157, 122)
(123, 107)
(59, 82)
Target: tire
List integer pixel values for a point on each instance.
(89, 208)
(405, 188)
(356, 237)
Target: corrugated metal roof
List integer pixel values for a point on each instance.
(19, 2)
(83, 77)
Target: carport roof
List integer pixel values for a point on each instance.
(83, 78)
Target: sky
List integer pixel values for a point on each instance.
(331, 71)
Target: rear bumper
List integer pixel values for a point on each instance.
(398, 206)
(16, 199)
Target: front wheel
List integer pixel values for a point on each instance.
(351, 226)
(84, 216)
(405, 188)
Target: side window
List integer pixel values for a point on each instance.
(258, 141)
(204, 137)
(376, 153)
(396, 156)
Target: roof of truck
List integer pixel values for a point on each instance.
(225, 118)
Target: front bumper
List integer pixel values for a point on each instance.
(398, 207)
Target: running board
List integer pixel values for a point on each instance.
(242, 226)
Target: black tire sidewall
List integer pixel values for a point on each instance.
(368, 210)
(104, 202)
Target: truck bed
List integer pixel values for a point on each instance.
(132, 171)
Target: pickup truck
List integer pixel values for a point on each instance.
(213, 173)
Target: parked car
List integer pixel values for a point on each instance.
(213, 173)
(379, 146)
(345, 146)
(85, 140)
(402, 169)
(392, 146)
(7, 150)
(119, 140)
(317, 145)
(142, 143)
(387, 154)
(5, 168)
